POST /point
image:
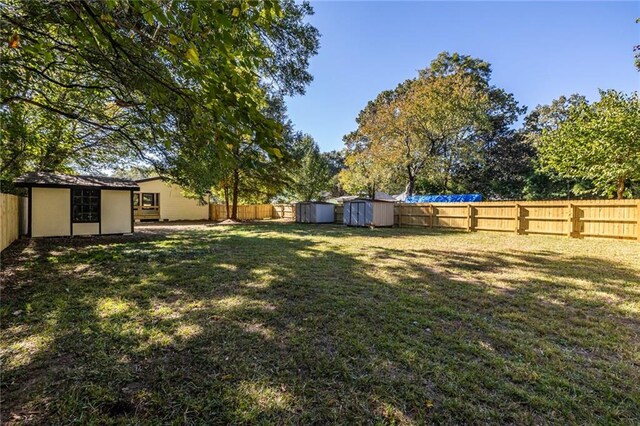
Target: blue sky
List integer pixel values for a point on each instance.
(538, 51)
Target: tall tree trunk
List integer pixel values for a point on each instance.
(226, 200)
(236, 184)
(372, 191)
(620, 188)
(412, 182)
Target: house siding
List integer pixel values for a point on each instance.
(173, 204)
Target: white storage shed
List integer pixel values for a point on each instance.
(315, 212)
(366, 212)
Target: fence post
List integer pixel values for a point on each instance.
(571, 221)
(517, 218)
(469, 217)
(430, 215)
(638, 221)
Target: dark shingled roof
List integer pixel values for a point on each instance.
(58, 180)
(149, 179)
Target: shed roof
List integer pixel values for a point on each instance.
(59, 180)
(374, 200)
(314, 202)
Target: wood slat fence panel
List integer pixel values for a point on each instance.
(10, 219)
(573, 218)
(245, 212)
(339, 213)
(284, 211)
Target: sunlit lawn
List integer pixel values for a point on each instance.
(290, 324)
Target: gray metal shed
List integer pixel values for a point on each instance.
(366, 212)
(315, 212)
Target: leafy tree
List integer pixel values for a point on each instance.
(432, 130)
(311, 177)
(636, 49)
(135, 172)
(336, 162)
(166, 80)
(366, 168)
(506, 161)
(246, 171)
(599, 142)
(36, 139)
(545, 184)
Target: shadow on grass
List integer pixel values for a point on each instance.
(298, 324)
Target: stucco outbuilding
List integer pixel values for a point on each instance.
(62, 205)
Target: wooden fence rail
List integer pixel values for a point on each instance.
(11, 217)
(574, 218)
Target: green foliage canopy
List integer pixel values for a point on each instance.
(157, 78)
(311, 177)
(599, 142)
(430, 131)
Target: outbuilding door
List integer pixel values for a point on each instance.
(304, 213)
(358, 213)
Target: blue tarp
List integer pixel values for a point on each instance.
(453, 198)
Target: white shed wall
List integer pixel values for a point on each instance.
(315, 213)
(115, 212)
(50, 212)
(89, 228)
(325, 213)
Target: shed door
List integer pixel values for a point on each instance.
(353, 214)
(346, 213)
(358, 210)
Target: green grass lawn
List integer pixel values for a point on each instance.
(293, 324)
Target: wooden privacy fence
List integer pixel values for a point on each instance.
(339, 213)
(11, 209)
(284, 211)
(245, 212)
(573, 218)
